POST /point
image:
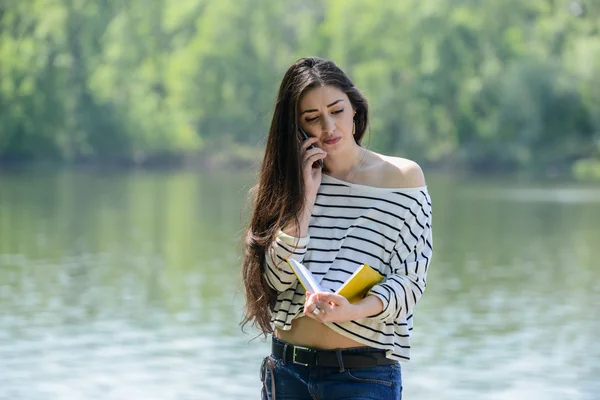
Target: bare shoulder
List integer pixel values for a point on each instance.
(390, 172)
(401, 172)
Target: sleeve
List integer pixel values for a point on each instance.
(278, 273)
(403, 287)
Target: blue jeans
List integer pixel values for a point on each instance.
(299, 382)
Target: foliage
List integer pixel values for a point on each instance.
(498, 84)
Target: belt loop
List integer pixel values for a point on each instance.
(268, 364)
(338, 353)
(285, 346)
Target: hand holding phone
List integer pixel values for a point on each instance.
(305, 136)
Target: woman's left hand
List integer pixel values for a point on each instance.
(332, 307)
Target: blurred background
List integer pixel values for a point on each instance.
(131, 132)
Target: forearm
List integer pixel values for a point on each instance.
(299, 229)
(278, 273)
(370, 305)
(336, 308)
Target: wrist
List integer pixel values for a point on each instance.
(356, 311)
(367, 307)
(306, 212)
(309, 203)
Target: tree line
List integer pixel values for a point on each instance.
(489, 85)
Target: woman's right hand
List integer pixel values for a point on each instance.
(311, 173)
(311, 170)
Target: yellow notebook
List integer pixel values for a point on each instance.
(359, 283)
(354, 289)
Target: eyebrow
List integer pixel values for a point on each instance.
(328, 105)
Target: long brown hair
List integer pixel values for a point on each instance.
(278, 197)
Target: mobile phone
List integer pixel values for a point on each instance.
(305, 136)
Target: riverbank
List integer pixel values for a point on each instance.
(249, 158)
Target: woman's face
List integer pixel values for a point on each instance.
(326, 113)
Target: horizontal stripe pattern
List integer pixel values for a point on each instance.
(351, 225)
(278, 274)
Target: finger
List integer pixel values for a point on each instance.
(313, 157)
(315, 312)
(308, 142)
(328, 298)
(314, 309)
(311, 315)
(312, 163)
(309, 311)
(325, 307)
(314, 151)
(319, 315)
(310, 303)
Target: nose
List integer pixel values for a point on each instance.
(328, 125)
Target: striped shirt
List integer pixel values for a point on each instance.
(388, 229)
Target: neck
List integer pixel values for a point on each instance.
(345, 165)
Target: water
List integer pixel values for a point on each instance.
(125, 285)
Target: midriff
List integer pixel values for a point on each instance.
(310, 333)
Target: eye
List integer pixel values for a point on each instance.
(313, 119)
(341, 110)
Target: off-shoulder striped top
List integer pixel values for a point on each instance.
(389, 229)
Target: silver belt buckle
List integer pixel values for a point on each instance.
(294, 355)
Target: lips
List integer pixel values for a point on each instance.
(333, 140)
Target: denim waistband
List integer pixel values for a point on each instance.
(363, 349)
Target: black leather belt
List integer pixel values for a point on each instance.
(329, 358)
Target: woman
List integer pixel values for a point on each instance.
(362, 207)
